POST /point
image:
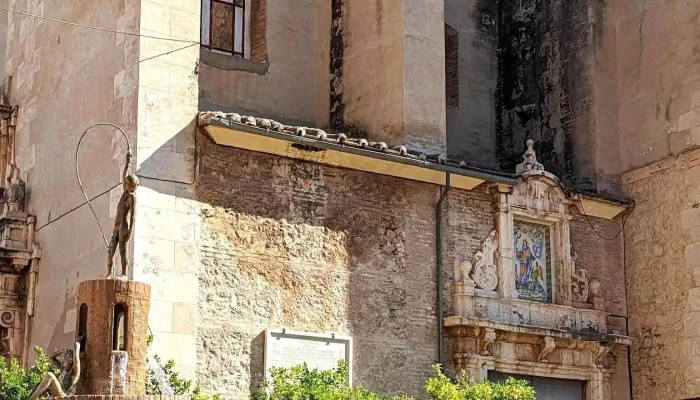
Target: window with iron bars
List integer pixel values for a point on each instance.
(226, 26)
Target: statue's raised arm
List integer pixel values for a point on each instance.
(68, 361)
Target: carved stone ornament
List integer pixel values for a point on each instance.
(529, 160)
(596, 295)
(599, 355)
(487, 342)
(13, 196)
(7, 318)
(579, 282)
(547, 345)
(462, 270)
(485, 271)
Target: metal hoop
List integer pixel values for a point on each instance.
(77, 171)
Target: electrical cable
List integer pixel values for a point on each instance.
(77, 172)
(622, 228)
(75, 208)
(96, 27)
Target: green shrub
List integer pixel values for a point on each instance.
(179, 385)
(17, 383)
(440, 387)
(301, 383)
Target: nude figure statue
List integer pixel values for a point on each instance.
(123, 227)
(68, 361)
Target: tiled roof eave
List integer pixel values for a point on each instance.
(318, 138)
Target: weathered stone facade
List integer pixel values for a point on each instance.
(619, 90)
(665, 322)
(312, 247)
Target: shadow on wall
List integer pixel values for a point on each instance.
(309, 247)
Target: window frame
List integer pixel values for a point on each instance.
(206, 31)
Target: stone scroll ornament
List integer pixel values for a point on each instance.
(485, 272)
(579, 282)
(7, 321)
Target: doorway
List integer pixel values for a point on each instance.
(547, 388)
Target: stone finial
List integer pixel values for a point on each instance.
(13, 196)
(529, 160)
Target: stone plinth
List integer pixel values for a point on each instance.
(108, 336)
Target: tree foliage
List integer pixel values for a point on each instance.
(440, 387)
(17, 383)
(179, 386)
(302, 383)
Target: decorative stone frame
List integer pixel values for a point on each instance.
(493, 329)
(539, 199)
(596, 381)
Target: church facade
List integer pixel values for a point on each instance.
(401, 173)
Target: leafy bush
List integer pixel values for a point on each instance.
(179, 385)
(17, 383)
(301, 383)
(440, 387)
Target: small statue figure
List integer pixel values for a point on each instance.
(122, 227)
(68, 361)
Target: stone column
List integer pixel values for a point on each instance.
(506, 278)
(562, 262)
(105, 350)
(393, 79)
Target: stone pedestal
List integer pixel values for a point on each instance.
(113, 317)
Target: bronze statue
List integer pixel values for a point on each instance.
(68, 361)
(123, 227)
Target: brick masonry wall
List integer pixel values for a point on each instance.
(663, 277)
(311, 247)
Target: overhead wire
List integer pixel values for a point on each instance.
(97, 28)
(622, 228)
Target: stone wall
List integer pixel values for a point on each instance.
(400, 99)
(471, 128)
(663, 278)
(659, 82)
(167, 226)
(64, 79)
(544, 87)
(293, 83)
(305, 246)
(311, 247)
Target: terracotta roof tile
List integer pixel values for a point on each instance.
(337, 138)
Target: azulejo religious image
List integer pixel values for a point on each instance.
(533, 261)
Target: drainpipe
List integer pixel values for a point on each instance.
(438, 246)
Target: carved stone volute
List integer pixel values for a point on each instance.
(485, 273)
(579, 282)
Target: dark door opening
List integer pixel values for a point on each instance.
(547, 388)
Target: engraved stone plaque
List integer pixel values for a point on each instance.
(285, 348)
